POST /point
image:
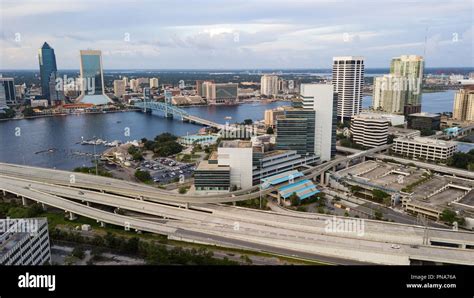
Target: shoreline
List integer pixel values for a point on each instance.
(70, 114)
(127, 110)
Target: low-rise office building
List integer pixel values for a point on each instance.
(424, 148)
(424, 121)
(210, 176)
(369, 130)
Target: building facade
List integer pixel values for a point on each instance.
(24, 242)
(119, 88)
(322, 99)
(369, 131)
(424, 121)
(269, 85)
(7, 92)
(463, 107)
(296, 131)
(424, 148)
(348, 80)
(400, 91)
(92, 77)
(48, 73)
(154, 82)
(238, 156)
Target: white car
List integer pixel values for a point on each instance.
(395, 246)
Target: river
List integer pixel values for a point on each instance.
(21, 139)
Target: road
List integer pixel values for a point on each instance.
(293, 233)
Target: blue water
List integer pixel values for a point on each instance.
(20, 139)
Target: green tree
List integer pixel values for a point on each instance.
(270, 130)
(78, 252)
(448, 216)
(248, 122)
(143, 176)
(294, 199)
(183, 189)
(28, 112)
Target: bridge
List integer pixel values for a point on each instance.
(171, 111)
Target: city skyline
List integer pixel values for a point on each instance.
(240, 35)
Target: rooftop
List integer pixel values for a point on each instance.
(206, 166)
(425, 114)
(236, 144)
(428, 141)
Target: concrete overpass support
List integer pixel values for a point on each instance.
(43, 206)
(321, 178)
(23, 201)
(102, 224)
(72, 216)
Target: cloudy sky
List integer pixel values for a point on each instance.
(223, 34)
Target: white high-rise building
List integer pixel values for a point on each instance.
(119, 88)
(238, 155)
(348, 80)
(322, 99)
(154, 82)
(269, 85)
(125, 80)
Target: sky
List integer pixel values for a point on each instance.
(236, 34)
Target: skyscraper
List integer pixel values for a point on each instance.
(92, 77)
(463, 108)
(119, 88)
(348, 80)
(48, 72)
(322, 99)
(269, 85)
(7, 94)
(400, 91)
(154, 82)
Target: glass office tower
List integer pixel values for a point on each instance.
(48, 70)
(92, 78)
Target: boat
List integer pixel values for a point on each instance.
(228, 117)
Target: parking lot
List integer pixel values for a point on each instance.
(165, 170)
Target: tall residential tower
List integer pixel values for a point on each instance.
(348, 80)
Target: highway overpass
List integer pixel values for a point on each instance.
(296, 232)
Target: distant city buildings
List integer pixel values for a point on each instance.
(219, 93)
(24, 242)
(7, 92)
(463, 107)
(271, 116)
(119, 88)
(154, 82)
(400, 91)
(92, 77)
(369, 130)
(269, 85)
(348, 80)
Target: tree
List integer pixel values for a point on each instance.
(28, 111)
(448, 216)
(183, 189)
(270, 130)
(78, 252)
(355, 188)
(294, 199)
(143, 176)
(248, 122)
(379, 195)
(137, 156)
